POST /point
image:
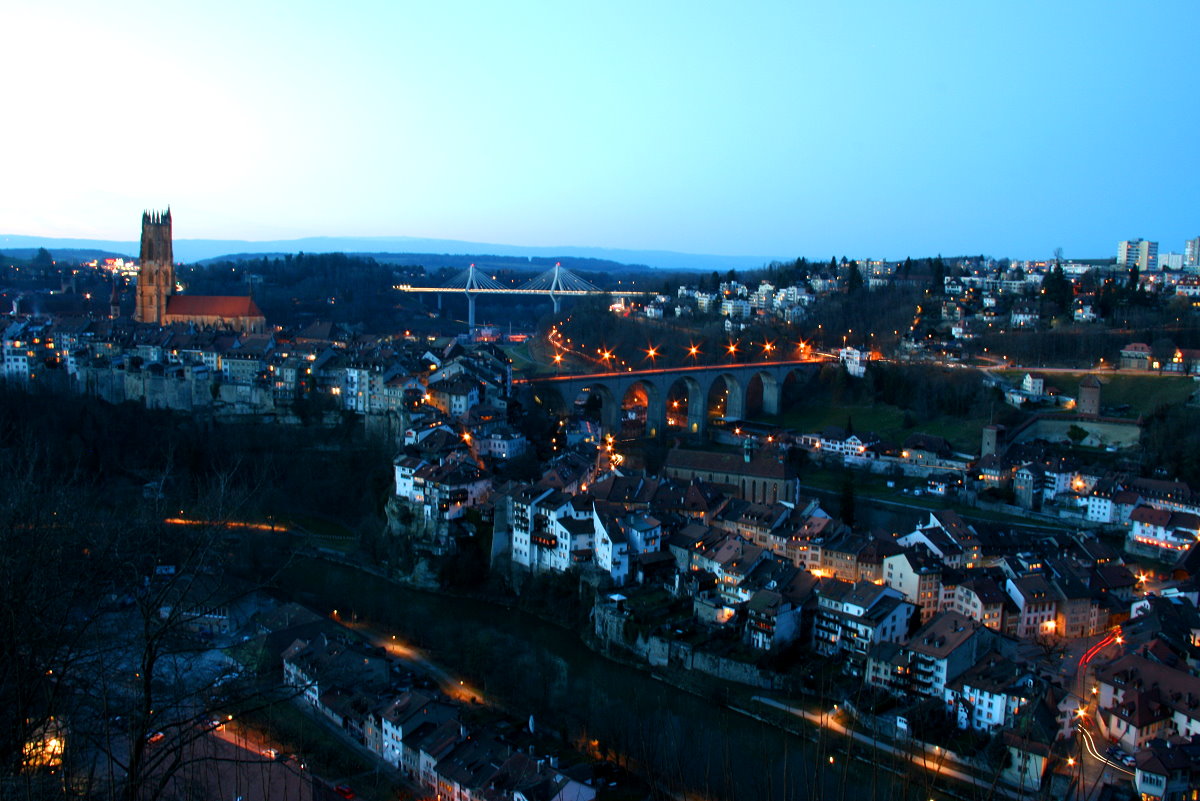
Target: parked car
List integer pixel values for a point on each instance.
(344, 791)
(156, 737)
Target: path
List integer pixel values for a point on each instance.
(938, 764)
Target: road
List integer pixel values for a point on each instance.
(1095, 768)
(939, 761)
(412, 657)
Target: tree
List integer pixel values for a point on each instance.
(854, 281)
(937, 282)
(42, 259)
(1077, 434)
(1057, 289)
(848, 502)
(1162, 351)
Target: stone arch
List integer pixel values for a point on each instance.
(762, 394)
(791, 383)
(551, 397)
(684, 403)
(610, 406)
(726, 397)
(654, 420)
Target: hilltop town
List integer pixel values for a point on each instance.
(993, 550)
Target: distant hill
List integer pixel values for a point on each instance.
(72, 255)
(196, 250)
(485, 261)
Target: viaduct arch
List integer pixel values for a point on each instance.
(699, 382)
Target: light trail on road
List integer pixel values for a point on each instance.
(183, 521)
(1091, 748)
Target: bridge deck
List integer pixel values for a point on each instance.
(667, 370)
(561, 292)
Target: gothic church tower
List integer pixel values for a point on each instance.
(156, 268)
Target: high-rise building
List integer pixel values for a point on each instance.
(1191, 253)
(1139, 253)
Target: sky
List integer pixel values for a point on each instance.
(780, 129)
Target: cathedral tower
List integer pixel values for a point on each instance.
(156, 268)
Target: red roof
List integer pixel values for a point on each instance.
(1151, 516)
(224, 306)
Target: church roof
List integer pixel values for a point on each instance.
(227, 306)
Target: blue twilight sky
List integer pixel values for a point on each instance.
(871, 129)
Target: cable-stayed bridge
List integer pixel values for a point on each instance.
(557, 282)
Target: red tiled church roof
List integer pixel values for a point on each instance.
(225, 306)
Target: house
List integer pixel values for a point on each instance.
(1024, 315)
(1135, 356)
(1162, 532)
(837, 441)
(990, 694)
(1036, 600)
(454, 396)
(446, 491)
(320, 665)
(949, 537)
(402, 715)
(405, 468)
(501, 443)
(1034, 385)
(1140, 699)
(619, 539)
(917, 575)
(937, 654)
(850, 555)
(772, 621)
(981, 599)
(1168, 770)
(851, 617)
(540, 539)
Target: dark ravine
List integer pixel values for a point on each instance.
(688, 745)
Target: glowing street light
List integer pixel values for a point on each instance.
(652, 353)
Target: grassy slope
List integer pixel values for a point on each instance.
(887, 421)
(1143, 393)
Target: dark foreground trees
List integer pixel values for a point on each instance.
(110, 611)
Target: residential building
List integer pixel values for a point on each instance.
(917, 575)
(1036, 600)
(1140, 699)
(990, 693)
(1168, 770)
(1138, 253)
(1162, 532)
(1191, 252)
(851, 617)
(941, 651)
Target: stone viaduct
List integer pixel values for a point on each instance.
(697, 383)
